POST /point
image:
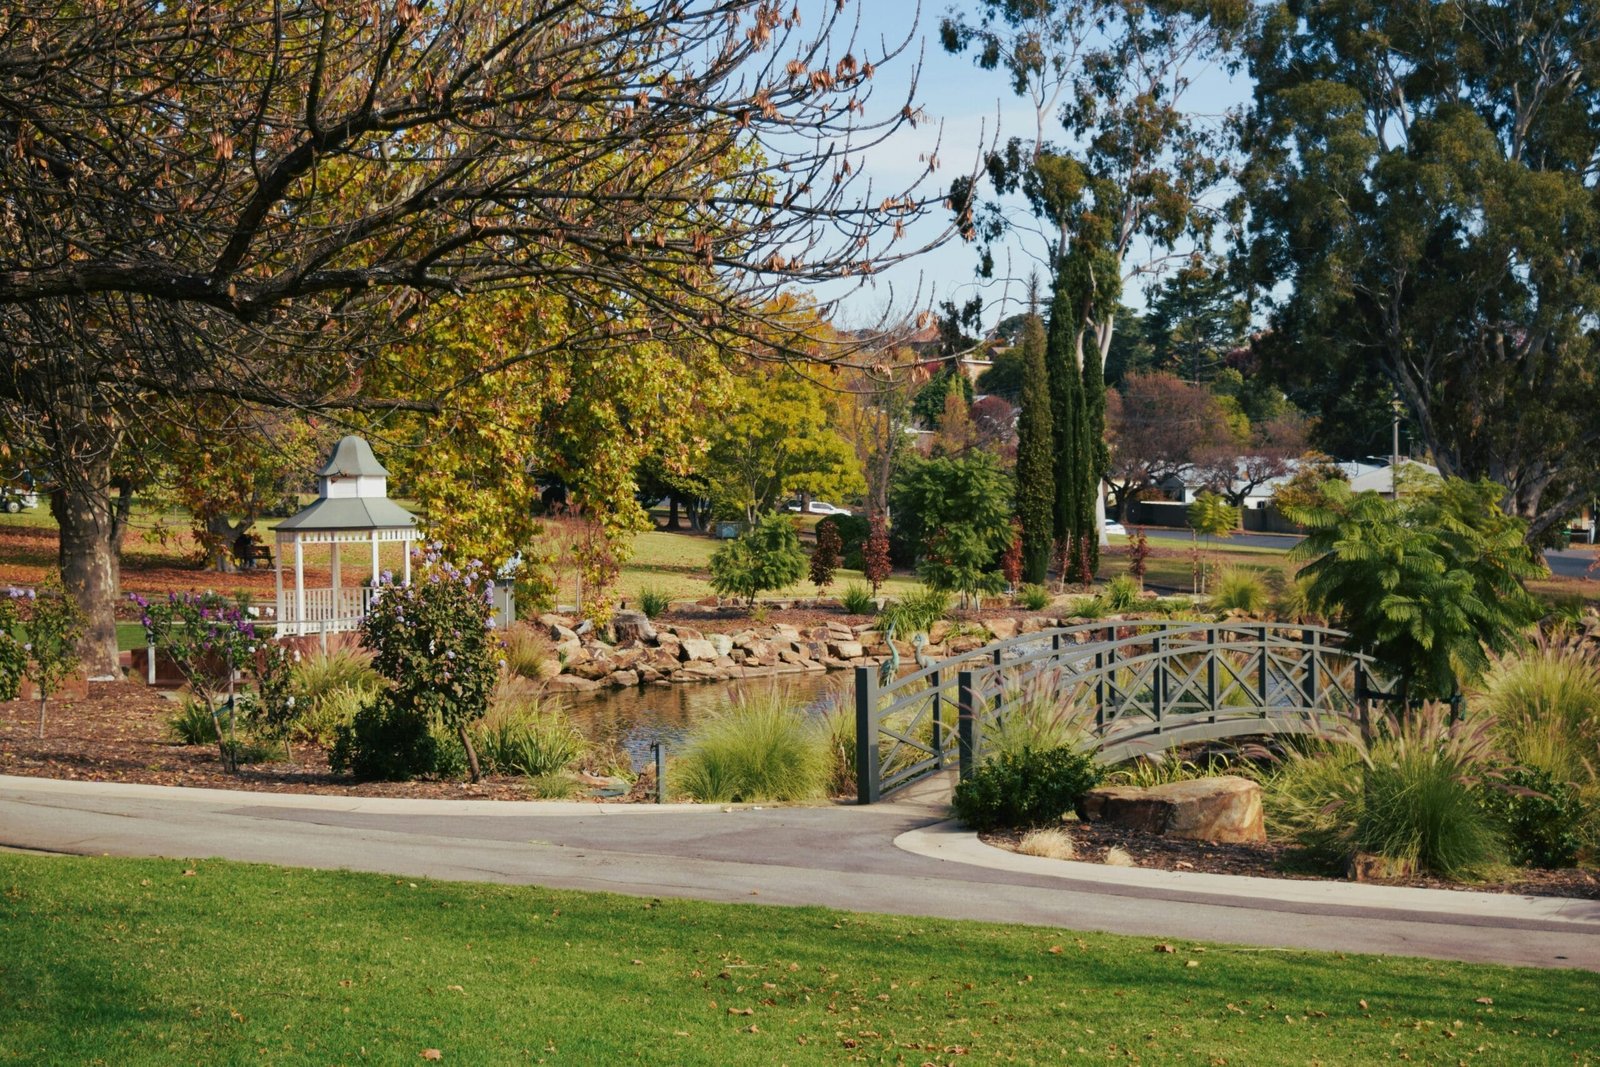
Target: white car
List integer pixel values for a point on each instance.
(820, 507)
(1115, 529)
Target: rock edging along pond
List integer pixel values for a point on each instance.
(630, 650)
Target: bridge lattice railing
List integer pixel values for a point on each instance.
(1131, 688)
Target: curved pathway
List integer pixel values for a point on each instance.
(900, 858)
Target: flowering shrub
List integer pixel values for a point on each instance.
(13, 655)
(435, 641)
(210, 639)
(274, 705)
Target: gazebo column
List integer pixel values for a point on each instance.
(338, 610)
(277, 574)
(376, 572)
(299, 586)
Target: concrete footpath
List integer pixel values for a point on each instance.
(900, 858)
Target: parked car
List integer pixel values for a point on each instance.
(1115, 529)
(13, 500)
(820, 507)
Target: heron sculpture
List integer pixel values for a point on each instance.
(890, 667)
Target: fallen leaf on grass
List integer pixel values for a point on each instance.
(741, 1011)
(432, 1054)
(1164, 947)
(1484, 1000)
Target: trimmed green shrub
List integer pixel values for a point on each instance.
(765, 557)
(1541, 818)
(385, 742)
(857, 599)
(1238, 589)
(654, 602)
(1023, 789)
(758, 748)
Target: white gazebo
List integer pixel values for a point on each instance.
(352, 508)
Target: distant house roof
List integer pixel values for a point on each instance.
(350, 513)
(352, 458)
(1382, 479)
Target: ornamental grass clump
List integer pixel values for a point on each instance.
(1237, 589)
(1039, 717)
(527, 733)
(1411, 797)
(917, 611)
(857, 599)
(759, 747)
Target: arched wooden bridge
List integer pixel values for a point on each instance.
(1133, 687)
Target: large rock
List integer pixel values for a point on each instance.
(633, 626)
(846, 649)
(1225, 808)
(573, 682)
(721, 642)
(1002, 629)
(697, 648)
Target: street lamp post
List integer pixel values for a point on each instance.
(1398, 408)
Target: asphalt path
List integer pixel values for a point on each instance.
(893, 858)
(1564, 563)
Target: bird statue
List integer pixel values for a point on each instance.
(919, 642)
(890, 667)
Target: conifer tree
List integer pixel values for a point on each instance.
(1036, 487)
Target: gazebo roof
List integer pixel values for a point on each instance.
(350, 513)
(352, 458)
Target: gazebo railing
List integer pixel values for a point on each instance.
(326, 610)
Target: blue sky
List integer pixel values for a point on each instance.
(966, 108)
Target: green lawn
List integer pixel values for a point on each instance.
(156, 962)
(680, 565)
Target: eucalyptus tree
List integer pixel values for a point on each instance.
(251, 201)
(1124, 191)
(1422, 185)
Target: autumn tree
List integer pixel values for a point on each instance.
(226, 201)
(1235, 470)
(1421, 196)
(1160, 428)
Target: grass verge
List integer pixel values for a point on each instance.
(155, 961)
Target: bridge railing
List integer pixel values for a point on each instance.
(1130, 688)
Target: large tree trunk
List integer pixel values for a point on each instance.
(91, 555)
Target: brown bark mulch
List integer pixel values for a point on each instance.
(1091, 842)
(119, 733)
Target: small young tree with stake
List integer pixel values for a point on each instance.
(53, 636)
(210, 639)
(825, 557)
(875, 556)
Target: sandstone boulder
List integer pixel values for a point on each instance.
(697, 648)
(721, 642)
(573, 682)
(846, 649)
(1224, 809)
(624, 679)
(1002, 629)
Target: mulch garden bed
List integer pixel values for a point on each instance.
(1091, 842)
(119, 733)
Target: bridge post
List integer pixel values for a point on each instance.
(867, 790)
(938, 718)
(1106, 666)
(1363, 702)
(1261, 670)
(1158, 683)
(1313, 641)
(968, 731)
(1211, 671)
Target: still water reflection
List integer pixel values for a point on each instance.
(635, 718)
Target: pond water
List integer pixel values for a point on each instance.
(633, 719)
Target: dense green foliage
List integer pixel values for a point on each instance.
(956, 512)
(13, 657)
(1541, 819)
(853, 531)
(760, 747)
(1421, 198)
(915, 612)
(386, 741)
(1428, 584)
(1025, 788)
(435, 642)
(766, 556)
(1035, 456)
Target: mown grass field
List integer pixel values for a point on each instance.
(156, 962)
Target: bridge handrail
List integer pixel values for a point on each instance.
(981, 682)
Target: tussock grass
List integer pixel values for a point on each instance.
(529, 652)
(1051, 842)
(759, 747)
(525, 732)
(1237, 589)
